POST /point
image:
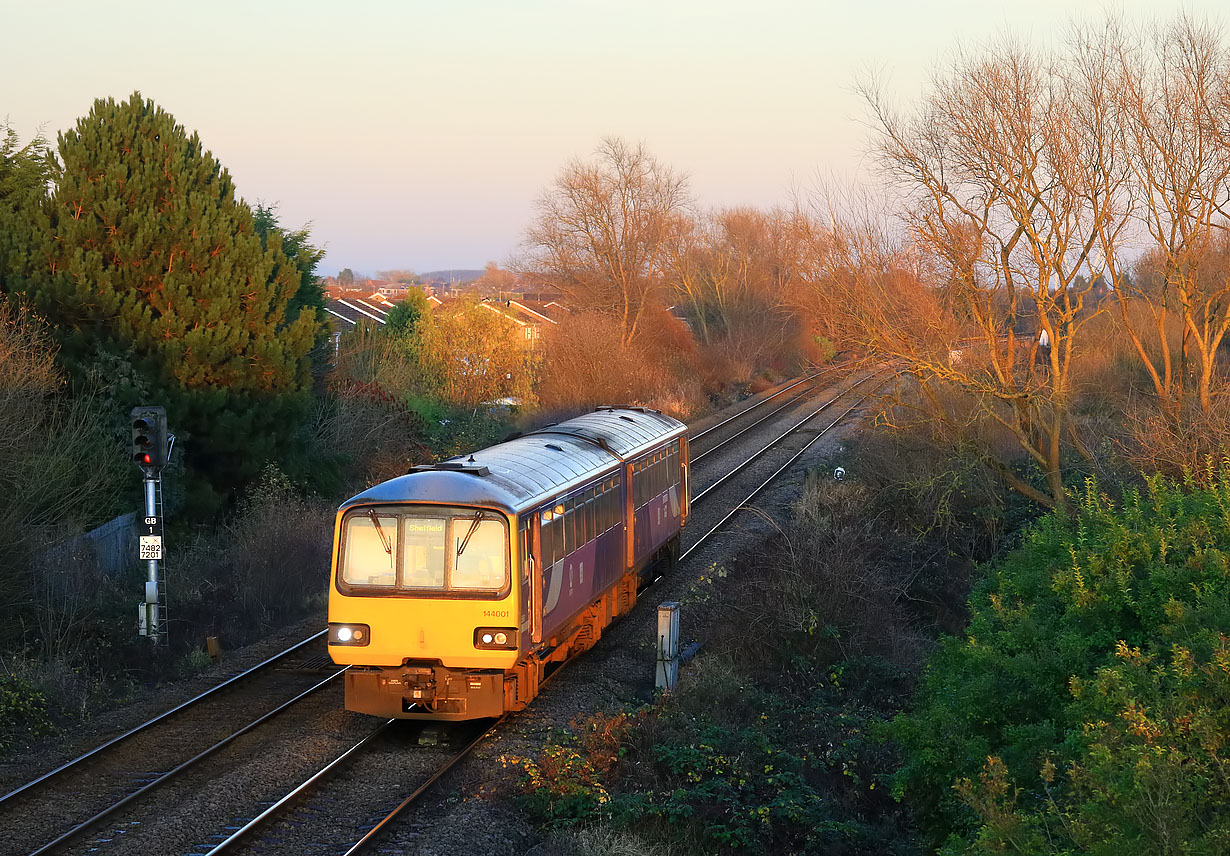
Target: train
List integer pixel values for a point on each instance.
(455, 587)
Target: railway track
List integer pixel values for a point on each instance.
(78, 827)
(798, 387)
(83, 794)
(288, 812)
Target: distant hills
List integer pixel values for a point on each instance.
(454, 276)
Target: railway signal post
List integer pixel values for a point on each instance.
(151, 449)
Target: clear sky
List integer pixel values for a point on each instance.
(418, 135)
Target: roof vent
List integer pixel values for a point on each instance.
(474, 469)
(627, 417)
(555, 447)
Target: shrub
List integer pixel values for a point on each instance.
(724, 766)
(1086, 708)
(269, 565)
(23, 711)
(584, 365)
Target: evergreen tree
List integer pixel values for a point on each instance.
(145, 257)
(24, 173)
(303, 254)
(404, 318)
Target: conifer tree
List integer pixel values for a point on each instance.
(144, 256)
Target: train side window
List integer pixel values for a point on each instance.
(569, 532)
(557, 539)
(546, 541)
(591, 520)
(523, 538)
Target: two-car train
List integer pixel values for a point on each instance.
(454, 586)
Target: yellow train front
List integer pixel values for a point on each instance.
(455, 586)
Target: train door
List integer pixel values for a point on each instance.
(686, 478)
(629, 518)
(531, 598)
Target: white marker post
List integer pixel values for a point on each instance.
(668, 646)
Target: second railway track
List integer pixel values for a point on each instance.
(130, 833)
(305, 830)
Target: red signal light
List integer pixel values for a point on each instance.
(147, 459)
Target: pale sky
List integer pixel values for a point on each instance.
(418, 135)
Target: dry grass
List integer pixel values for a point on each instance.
(599, 842)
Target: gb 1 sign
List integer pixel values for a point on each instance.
(150, 534)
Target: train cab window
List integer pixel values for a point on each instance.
(480, 565)
(370, 558)
(424, 551)
(423, 561)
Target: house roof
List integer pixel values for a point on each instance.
(535, 314)
(352, 311)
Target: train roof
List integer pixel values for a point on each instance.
(522, 472)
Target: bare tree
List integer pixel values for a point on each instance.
(1174, 111)
(602, 230)
(1010, 174)
(733, 268)
(496, 282)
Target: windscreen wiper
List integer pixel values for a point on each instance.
(384, 539)
(478, 518)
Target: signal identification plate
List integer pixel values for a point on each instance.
(151, 547)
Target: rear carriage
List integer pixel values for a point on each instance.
(456, 585)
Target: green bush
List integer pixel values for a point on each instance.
(23, 711)
(1085, 710)
(725, 766)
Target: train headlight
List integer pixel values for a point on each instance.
(496, 638)
(349, 634)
